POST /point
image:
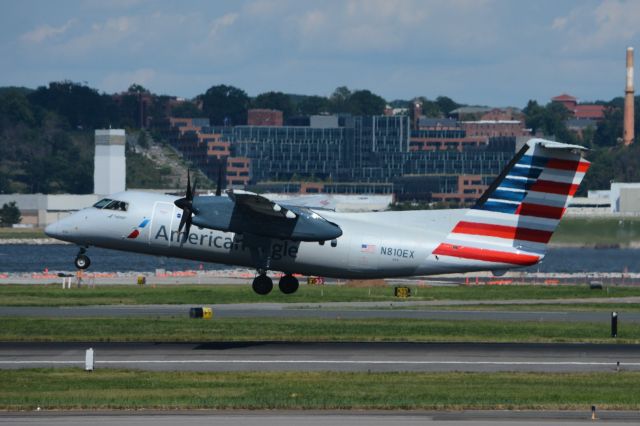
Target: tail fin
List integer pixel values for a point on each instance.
(513, 221)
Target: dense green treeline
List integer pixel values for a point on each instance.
(46, 134)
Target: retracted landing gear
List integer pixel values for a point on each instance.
(82, 260)
(288, 284)
(262, 284)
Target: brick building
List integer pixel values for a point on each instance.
(580, 111)
(264, 117)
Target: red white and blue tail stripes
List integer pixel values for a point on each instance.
(512, 222)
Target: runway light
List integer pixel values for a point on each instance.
(593, 413)
(88, 360)
(614, 324)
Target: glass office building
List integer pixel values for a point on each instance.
(372, 152)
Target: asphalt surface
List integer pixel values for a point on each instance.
(315, 418)
(344, 310)
(363, 357)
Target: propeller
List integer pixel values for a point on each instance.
(186, 204)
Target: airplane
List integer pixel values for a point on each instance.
(508, 227)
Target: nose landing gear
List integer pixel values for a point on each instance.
(82, 260)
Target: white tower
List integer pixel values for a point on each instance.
(109, 174)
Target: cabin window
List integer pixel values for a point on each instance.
(100, 204)
(109, 204)
(117, 205)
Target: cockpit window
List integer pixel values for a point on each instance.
(109, 204)
(100, 204)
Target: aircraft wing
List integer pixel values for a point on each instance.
(259, 204)
(248, 213)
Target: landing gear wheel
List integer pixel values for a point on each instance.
(288, 284)
(82, 261)
(262, 284)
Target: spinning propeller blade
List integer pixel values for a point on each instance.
(186, 204)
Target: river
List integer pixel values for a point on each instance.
(59, 257)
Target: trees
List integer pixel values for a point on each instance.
(225, 105)
(363, 102)
(186, 110)
(9, 214)
(81, 106)
(549, 120)
(15, 107)
(609, 130)
(313, 105)
(533, 114)
(360, 102)
(446, 105)
(338, 101)
(274, 100)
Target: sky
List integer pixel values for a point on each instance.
(483, 52)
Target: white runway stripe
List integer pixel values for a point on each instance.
(324, 361)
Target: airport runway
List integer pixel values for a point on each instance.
(286, 356)
(319, 418)
(343, 310)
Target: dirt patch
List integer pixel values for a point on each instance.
(366, 283)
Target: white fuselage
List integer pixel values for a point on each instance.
(373, 245)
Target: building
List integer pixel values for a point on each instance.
(580, 111)
(264, 117)
(238, 172)
(437, 162)
(39, 210)
(625, 198)
(109, 162)
(436, 134)
(495, 128)
(469, 112)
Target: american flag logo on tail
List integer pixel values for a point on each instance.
(513, 221)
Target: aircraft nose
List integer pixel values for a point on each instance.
(53, 230)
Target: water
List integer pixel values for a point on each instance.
(589, 260)
(36, 258)
(59, 257)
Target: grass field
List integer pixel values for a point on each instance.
(545, 307)
(150, 329)
(19, 233)
(54, 295)
(597, 231)
(122, 389)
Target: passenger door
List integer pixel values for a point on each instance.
(162, 222)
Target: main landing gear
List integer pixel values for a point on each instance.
(82, 260)
(288, 284)
(263, 285)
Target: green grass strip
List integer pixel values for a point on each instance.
(54, 295)
(537, 307)
(305, 330)
(20, 233)
(123, 389)
(611, 230)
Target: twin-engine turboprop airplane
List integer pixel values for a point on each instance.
(508, 227)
